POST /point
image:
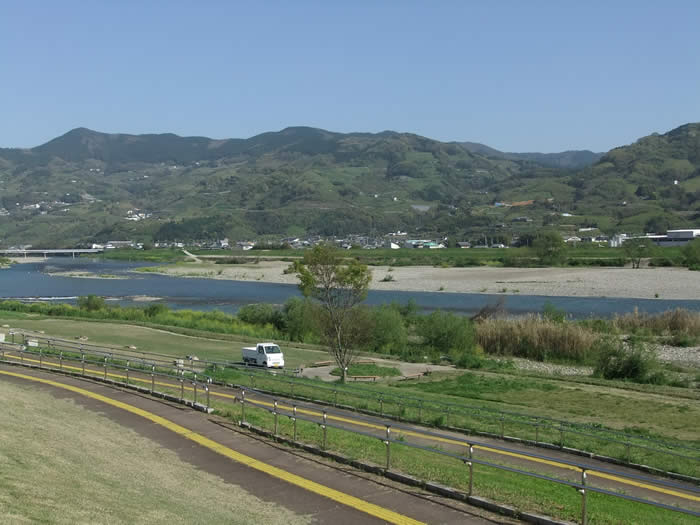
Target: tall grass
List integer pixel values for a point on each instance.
(537, 338)
(670, 323)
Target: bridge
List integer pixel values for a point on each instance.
(18, 252)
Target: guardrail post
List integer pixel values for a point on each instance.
(82, 360)
(325, 441)
(60, 360)
(561, 437)
(40, 358)
(381, 406)
(182, 388)
(252, 381)
(471, 470)
(584, 517)
(127, 372)
(194, 385)
(388, 447)
(294, 420)
(153, 378)
(242, 406)
(206, 387)
(274, 413)
(105, 367)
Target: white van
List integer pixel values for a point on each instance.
(268, 355)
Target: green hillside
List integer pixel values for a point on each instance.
(84, 186)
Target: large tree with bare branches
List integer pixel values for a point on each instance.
(339, 287)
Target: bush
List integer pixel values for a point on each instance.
(262, 314)
(300, 320)
(633, 361)
(91, 303)
(388, 332)
(669, 323)
(448, 333)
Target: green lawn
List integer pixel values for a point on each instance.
(153, 340)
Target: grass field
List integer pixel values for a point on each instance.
(61, 463)
(152, 340)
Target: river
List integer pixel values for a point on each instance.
(34, 281)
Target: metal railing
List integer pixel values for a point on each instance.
(448, 415)
(535, 430)
(583, 486)
(38, 358)
(29, 357)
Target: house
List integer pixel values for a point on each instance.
(464, 244)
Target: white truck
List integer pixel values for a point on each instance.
(267, 355)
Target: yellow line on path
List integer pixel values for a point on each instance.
(374, 426)
(335, 495)
(611, 477)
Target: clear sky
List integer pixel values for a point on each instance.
(516, 75)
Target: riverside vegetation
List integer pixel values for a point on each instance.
(617, 348)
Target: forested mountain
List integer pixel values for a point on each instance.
(566, 159)
(86, 186)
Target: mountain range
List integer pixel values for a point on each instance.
(88, 186)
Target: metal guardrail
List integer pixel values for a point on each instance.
(500, 418)
(387, 439)
(453, 410)
(469, 460)
(84, 360)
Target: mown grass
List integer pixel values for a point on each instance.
(523, 492)
(62, 463)
(152, 339)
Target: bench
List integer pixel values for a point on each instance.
(322, 363)
(363, 378)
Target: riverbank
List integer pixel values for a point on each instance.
(643, 283)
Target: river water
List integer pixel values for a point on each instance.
(33, 281)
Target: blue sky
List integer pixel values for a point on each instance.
(518, 76)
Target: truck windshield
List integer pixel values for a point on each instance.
(272, 349)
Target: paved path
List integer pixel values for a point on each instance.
(304, 485)
(600, 474)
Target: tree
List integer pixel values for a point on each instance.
(91, 303)
(658, 224)
(550, 247)
(339, 288)
(691, 253)
(637, 249)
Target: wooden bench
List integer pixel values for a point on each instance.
(363, 378)
(322, 363)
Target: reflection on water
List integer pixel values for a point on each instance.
(34, 281)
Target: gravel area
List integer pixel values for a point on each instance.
(649, 283)
(687, 356)
(552, 369)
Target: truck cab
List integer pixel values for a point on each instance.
(267, 355)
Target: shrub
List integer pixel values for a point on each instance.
(448, 333)
(91, 303)
(671, 322)
(262, 314)
(633, 361)
(388, 330)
